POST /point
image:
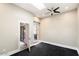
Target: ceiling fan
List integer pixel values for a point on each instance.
(52, 11)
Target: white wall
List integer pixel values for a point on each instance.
(10, 18)
(60, 29)
(78, 28)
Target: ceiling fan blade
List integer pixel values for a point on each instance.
(49, 10)
(56, 12)
(57, 8)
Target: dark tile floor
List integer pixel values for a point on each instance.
(44, 49)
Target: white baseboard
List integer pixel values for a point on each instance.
(78, 51)
(61, 45)
(22, 47)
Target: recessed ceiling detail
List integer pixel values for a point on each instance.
(40, 6)
(48, 8)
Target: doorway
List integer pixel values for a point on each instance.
(36, 30)
(23, 26)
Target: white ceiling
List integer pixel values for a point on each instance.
(64, 7)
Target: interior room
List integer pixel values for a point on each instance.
(39, 29)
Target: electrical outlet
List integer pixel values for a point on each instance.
(4, 50)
